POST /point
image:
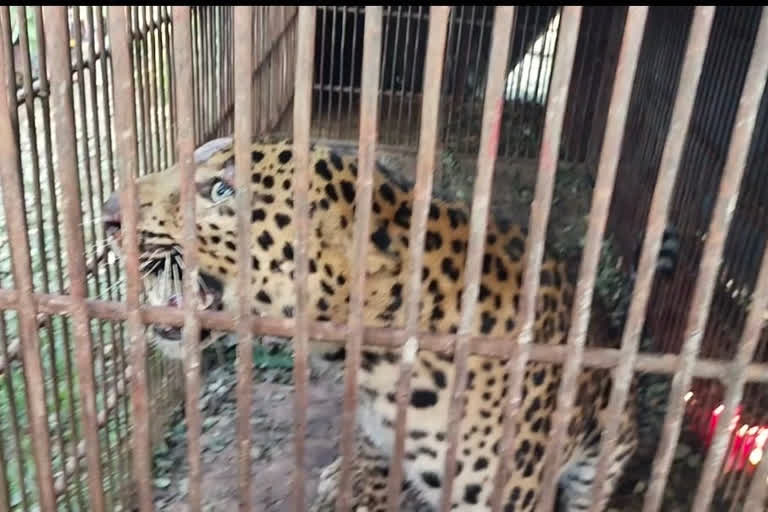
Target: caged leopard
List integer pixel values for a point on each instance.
(332, 213)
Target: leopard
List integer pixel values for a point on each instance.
(333, 196)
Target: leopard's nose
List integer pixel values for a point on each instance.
(110, 214)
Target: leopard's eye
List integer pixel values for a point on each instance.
(220, 191)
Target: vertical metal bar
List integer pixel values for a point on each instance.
(540, 207)
(741, 137)
(182, 47)
(243, 126)
(481, 198)
(64, 119)
(734, 383)
(125, 127)
(601, 202)
(302, 118)
(670, 162)
(13, 411)
(755, 501)
(5, 495)
(425, 164)
(29, 99)
(353, 67)
(13, 203)
(414, 70)
(411, 49)
(57, 250)
(364, 194)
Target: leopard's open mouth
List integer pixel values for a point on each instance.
(210, 293)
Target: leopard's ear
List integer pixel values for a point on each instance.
(210, 148)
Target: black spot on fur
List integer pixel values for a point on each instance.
(381, 238)
(336, 160)
(439, 377)
(457, 217)
(487, 323)
(433, 241)
(262, 296)
(423, 398)
(480, 464)
(471, 493)
(285, 156)
(321, 168)
(330, 190)
(288, 251)
(449, 270)
(387, 193)
(257, 215)
(268, 182)
(348, 190)
(403, 216)
(282, 220)
(265, 240)
(431, 479)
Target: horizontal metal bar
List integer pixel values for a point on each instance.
(327, 331)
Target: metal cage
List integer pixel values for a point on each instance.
(663, 108)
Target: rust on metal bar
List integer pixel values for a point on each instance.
(243, 43)
(540, 207)
(32, 132)
(302, 119)
(369, 117)
(755, 501)
(755, 321)
(15, 220)
(734, 385)
(481, 199)
(489, 346)
(185, 104)
(127, 154)
(598, 215)
(425, 163)
(64, 123)
(670, 162)
(698, 313)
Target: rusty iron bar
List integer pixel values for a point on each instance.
(185, 143)
(755, 501)
(15, 218)
(690, 74)
(64, 124)
(425, 164)
(698, 313)
(302, 119)
(752, 329)
(734, 384)
(127, 155)
(481, 199)
(32, 127)
(519, 355)
(489, 346)
(369, 117)
(746, 116)
(601, 202)
(243, 53)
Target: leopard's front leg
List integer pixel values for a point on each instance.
(370, 471)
